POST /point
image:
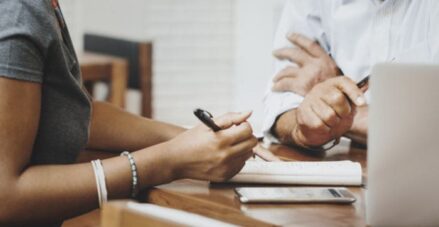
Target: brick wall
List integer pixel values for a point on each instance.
(201, 49)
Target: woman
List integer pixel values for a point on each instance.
(46, 118)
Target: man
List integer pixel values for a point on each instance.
(323, 48)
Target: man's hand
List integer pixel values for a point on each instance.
(327, 112)
(314, 66)
(358, 132)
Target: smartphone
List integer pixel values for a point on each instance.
(294, 195)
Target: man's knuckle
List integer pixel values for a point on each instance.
(336, 97)
(313, 125)
(312, 45)
(332, 118)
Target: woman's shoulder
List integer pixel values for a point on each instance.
(30, 14)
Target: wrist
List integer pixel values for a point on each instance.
(359, 125)
(172, 161)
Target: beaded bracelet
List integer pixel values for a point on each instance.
(134, 186)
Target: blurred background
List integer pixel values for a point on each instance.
(213, 54)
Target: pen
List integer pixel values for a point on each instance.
(364, 82)
(206, 117)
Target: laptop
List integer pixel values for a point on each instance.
(403, 146)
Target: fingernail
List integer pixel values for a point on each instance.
(360, 101)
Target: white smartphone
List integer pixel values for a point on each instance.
(294, 195)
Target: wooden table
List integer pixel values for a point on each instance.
(219, 201)
(114, 70)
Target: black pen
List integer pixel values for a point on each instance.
(364, 82)
(206, 118)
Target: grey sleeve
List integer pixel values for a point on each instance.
(20, 59)
(24, 39)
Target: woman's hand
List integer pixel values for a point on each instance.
(327, 112)
(203, 154)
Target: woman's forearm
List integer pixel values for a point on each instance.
(113, 129)
(43, 194)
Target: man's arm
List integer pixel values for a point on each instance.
(113, 129)
(283, 127)
(358, 131)
(295, 17)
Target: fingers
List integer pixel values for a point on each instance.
(285, 79)
(310, 46)
(338, 102)
(286, 84)
(235, 168)
(244, 148)
(266, 154)
(326, 113)
(237, 134)
(309, 119)
(350, 89)
(230, 119)
(296, 55)
(285, 73)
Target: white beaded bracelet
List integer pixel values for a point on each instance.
(100, 181)
(134, 185)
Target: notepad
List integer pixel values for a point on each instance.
(344, 173)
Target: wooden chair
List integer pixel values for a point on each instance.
(140, 60)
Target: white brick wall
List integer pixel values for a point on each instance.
(193, 56)
(200, 49)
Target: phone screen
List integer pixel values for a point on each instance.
(294, 194)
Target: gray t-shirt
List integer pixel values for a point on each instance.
(36, 47)
(32, 48)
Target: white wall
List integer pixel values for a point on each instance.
(193, 58)
(255, 24)
(214, 54)
(73, 13)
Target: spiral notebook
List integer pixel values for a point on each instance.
(343, 173)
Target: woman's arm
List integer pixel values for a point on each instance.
(52, 193)
(113, 129)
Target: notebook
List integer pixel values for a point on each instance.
(344, 173)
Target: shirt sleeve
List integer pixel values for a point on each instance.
(21, 41)
(433, 37)
(298, 16)
(20, 59)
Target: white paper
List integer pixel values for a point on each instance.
(305, 173)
